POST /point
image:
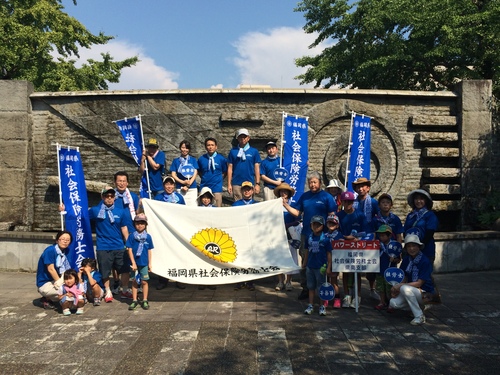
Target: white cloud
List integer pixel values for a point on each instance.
(146, 74)
(217, 86)
(269, 59)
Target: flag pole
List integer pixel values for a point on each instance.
(348, 162)
(283, 115)
(61, 213)
(145, 161)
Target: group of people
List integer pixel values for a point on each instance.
(124, 248)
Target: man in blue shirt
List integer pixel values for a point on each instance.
(267, 168)
(212, 170)
(155, 161)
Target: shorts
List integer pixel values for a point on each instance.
(382, 286)
(111, 259)
(314, 278)
(143, 270)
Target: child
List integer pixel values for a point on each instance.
(385, 216)
(71, 293)
(92, 281)
(139, 245)
(206, 199)
(390, 256)
(319, 252)
(333, 234)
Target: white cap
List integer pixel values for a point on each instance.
(334, 183)
(242, 131)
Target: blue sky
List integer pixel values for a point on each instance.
(189, 44)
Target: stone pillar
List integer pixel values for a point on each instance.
(16, 211)
(476, 160)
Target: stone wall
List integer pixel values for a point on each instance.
(418, 139)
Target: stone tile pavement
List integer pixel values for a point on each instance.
(242, 332)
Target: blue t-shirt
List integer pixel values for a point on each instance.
(428, 221)
(143, 259)
(385, 255)
(108, 235)
(49, 256)
(392, 220)
(361, 205)
(244, 202)
(318, 247)
(212, 178)
(424, 272)
(156, 177)
(355, 221)
(267, 168)
(176, 165)
(335, 235)
(127, 218)
(243, 170)
(97, 277)
(311, 204)
(175, 197)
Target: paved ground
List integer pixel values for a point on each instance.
(242, 332)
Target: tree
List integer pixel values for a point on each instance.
(402, 44)
(32, 32)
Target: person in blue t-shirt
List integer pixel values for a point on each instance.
(212, 168)
(111, 234)
(267, 168)
(51, 266)
(139, 246)
(184, 170)
(319, 252)
(155, 160)
(92, 279)
(243, 164)
(334, 234)
(418, 280)
(313, 202)
(385, 216)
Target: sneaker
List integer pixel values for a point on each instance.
(346, 302)
(145, 305)
(304, 294)
(239, 286)
(250, 286)
(66, 312)
(418, 320)
(126, 294)
(47, 304)
(309, 309)
(116, 288)
(279, 286)
(79, 311)
(97, 302)
(288, 286)
(322, 310)
(108, 298)
(353, 303)
(380, 307)
(133, 305)
(336, 303)
(374, 295)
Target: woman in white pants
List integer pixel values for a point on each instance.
(418, 270)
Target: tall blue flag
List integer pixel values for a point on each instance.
(359, 159)
(74, 197)
(131, 131)
(296, 153)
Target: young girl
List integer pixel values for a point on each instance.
(184, 170)
(206, 199)
(71, 293)
(139, 245)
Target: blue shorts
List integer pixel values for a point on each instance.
(143, 270)
(314, 278)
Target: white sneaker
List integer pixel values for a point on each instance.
(353, 303)
(279, 286)
(418, 320)
(322, 310)
(309, 310)
(346, 302)
(288, 287)
(374, 295)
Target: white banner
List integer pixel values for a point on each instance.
(212, 246)
(356, 256)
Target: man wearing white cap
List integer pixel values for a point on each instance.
(243, 164)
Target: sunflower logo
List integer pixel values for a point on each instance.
(215, 244)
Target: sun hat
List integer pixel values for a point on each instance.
(411, 198)
(204, 190)
(413, 238)
(333, 183)
(283, 186)
(362, 181)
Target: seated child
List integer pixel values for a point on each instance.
(92, 281)
(71, 293)
(206, 198)
(139, 245)
(319, 252)
(390, 256)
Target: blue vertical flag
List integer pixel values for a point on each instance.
(74, 197)
(359, 159)
(296, 153)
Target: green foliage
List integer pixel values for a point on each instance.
(491, 213)
(402, 44)
(33, 31)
